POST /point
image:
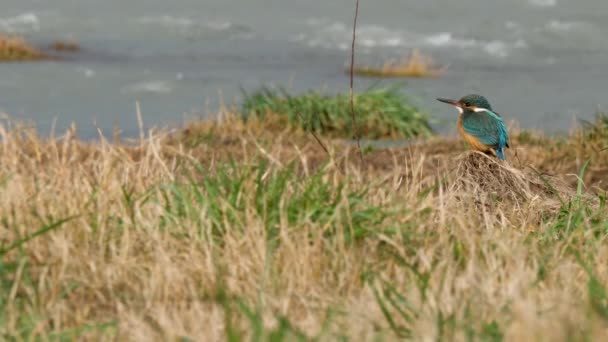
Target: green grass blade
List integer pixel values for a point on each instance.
(45, 229)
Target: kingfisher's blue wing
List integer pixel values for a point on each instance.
(486, 126)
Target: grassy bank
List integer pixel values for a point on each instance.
(381, 113)
(229, 230)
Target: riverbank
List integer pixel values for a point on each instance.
(231, 229)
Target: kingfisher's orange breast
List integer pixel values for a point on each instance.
(473, 142)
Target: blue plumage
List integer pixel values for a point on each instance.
(488, 127)
(480, 125)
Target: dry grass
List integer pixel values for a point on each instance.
(64, 46)
(414, 65)
(487, 177)
(17, 49)
(229, 230)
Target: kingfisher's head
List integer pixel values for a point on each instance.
(473, 102)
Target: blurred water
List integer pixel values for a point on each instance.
(540, 62)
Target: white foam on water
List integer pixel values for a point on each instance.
(447, 39)
(168, 21)
(543, 3)
(328, 34)
(554, 25)
(23, 23)
(496, 48)
(562, 26)
(515, 28)
(191, 27)
(156, 87)
(87, 72)
(343, 46)
(219, 25)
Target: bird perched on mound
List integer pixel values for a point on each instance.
(480, 126)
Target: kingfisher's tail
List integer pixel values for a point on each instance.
(500, 154)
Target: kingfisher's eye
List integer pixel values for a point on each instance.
(467, 104)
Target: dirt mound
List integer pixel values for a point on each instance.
(492, 180)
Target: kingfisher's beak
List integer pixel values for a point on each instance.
(452, 102)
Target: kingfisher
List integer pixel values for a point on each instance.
(480, 126)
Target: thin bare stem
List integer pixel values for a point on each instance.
(352, 91)
(315, 136)
(319, 141)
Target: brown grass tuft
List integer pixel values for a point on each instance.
(65, 46)
(415, 65)
(17, 49)
(487, 175)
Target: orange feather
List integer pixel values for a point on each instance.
(473, 142)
